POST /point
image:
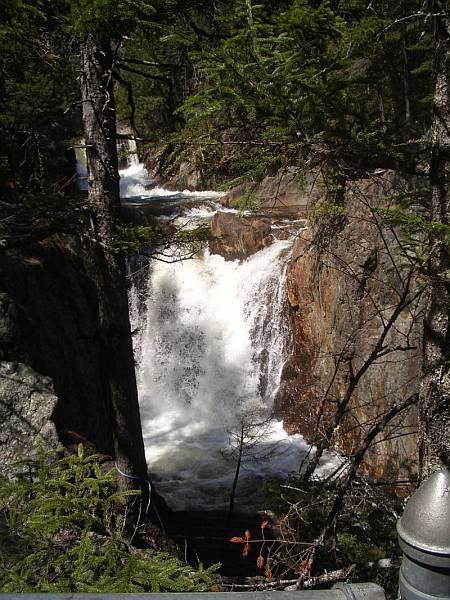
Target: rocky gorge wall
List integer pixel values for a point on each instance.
(344, 283)
(342, 286)
(52, 384)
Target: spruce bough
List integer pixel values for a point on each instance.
(62, 533)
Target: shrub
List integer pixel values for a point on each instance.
(62, 533)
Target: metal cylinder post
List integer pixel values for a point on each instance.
(424, 537)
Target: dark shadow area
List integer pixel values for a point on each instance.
(201, 537)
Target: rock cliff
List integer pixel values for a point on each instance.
(346, 282)
(284, 192)
(183, 176)
(49, 324)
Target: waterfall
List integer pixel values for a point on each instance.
(80, 157)
(132, 172)
(211, 343)
(127, 152)
(210, 339)
(135, 181)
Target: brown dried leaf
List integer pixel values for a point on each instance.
(247, 535)
(237, 540)
(246, 550)
(260, 562)
(268, 572)
(264, 524)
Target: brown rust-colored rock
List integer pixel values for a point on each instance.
(342, 285)
(237, 237)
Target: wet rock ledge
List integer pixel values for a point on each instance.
(237, 237)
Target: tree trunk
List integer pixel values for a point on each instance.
(235, 483)
(406, 85)
(435, 386)
(99, 120)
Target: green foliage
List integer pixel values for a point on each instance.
(37, 90)
(408, 210)
(110, 17)
(137, 239)
(327, 210)
(241, 88)
(67, 535)
(409, 215)
(357, 551)
(254, 79)
(200, 233)
(364, 530)
(303, 83)
(131, 239)
(412, 224)
(248, 201)
(329, 216)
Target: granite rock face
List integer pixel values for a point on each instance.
(237, 237)
(279, 193)
(342, 288)
(185, 177)
(27, 402)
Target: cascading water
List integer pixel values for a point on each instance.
(127, 152)
(135, 182)
(212, 344)
(211, 339)
(133, 172)
(80, 154)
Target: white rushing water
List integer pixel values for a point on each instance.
(201, 351)
(80, 155)
(135, 182)
(211, 338)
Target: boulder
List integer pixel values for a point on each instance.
(236, 237)
(27, 402)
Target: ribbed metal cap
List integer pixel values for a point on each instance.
(424, 528)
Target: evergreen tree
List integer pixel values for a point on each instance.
(311, 81)
(100, 26)
(61, 532)
(37, 95)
